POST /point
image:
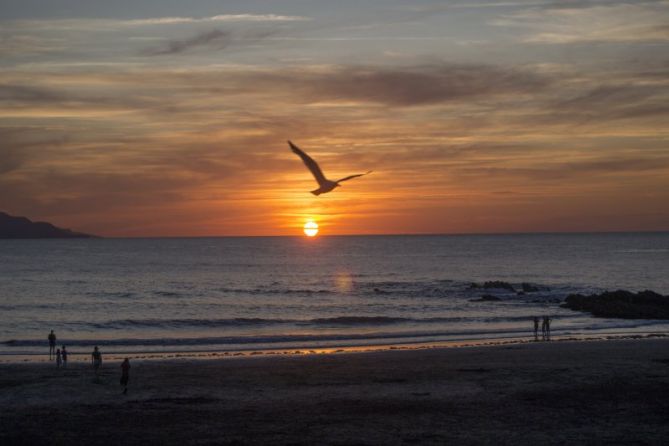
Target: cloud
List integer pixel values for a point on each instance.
(606, 102)
(406, 86)
(10, 159)
(45, 99)
(16, 93)
(409, 86)
(95, 24)
(560, 171)
(209, 142)
(21, 145)
(216, 18)
(216, 39)
(471, 99)
(591, 22)
(213, 40)
(21, 45)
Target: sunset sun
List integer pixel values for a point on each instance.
(311, 228)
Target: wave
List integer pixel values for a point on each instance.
(250, 322)
(232, 342)
(642, 251)
(112, 294)
(336, 322)
(167, 293)
(269, 290)
(178, 323)
(362, 320)
(437, 288)
(240, 340)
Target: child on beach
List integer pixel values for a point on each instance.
(63, 353)
(125, 370)
(58, 359)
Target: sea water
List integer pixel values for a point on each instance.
(251, 293)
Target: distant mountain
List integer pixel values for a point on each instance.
(21, 227)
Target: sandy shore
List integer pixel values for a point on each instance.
(607, 392)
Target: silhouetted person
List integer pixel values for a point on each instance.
(59, 360)
(96, 358)
(52, 344)
(536, 328)
(548, 328)
(543, 328)
(63, 353)
(125, 375)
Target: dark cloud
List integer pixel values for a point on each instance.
(423, 85)
(116, 96)
(608, 95)
(27, 93)
(163, 91)
(213, 40)
(216, 39)
(655, 70)
(19, 145)
(567, 170)
(610, 102)
(10, 159)
(622, 165)
(242, 96)
(406, 86)
(420, 85)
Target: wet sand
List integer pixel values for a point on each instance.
(604, 392)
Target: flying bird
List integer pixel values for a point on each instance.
(324, 184)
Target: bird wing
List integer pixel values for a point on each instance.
(353, 176)
(310, 163)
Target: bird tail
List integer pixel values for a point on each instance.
(316, 191)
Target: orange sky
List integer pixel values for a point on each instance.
(172, 123)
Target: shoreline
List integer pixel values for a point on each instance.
(563, 392)
(213, 354)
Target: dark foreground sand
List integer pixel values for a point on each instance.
(613, 392)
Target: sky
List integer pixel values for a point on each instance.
(170, 118)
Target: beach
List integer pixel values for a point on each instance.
(587, 392)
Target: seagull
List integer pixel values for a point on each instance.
(325, 184)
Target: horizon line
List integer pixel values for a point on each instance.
(427, 234)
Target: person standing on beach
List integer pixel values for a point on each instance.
(52, 344)
(96, 358)
(543, 328)
(59, 361)
(63, 353)
(536, 328)
(125, 375)
(548, 328)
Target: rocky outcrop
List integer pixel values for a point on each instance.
(621, 304)
(21, 227)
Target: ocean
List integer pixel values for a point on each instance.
(234, 294)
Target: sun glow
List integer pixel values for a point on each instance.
(311, 228)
